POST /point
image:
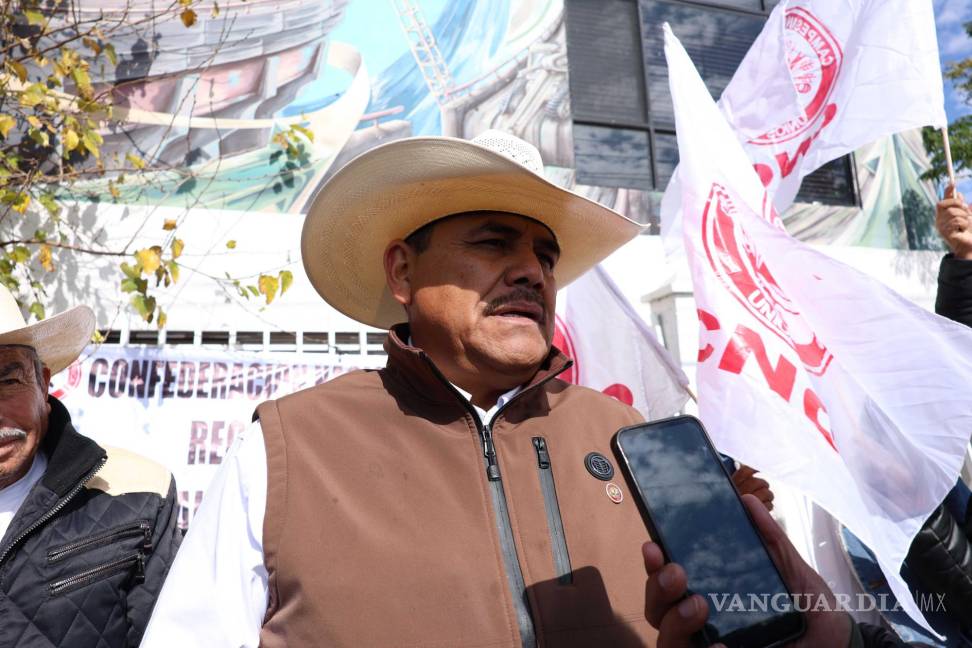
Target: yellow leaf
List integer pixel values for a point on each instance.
(20, 203)
(188, 17)
(18, 69)
(231, 245)
(6, 124)
(169, 224)
(215, 11)
(150, 258)
(70, 139)
(33, 121)
(44, 256)
(162, 319)
(113, 190)
(268, 286)
(136, 161)
(177, 245)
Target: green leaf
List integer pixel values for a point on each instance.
(33, 95)
(92, 141)
(50, 204)
(19, 254)
(129, 271)
(129, 285)
(144, 306)
(286, 278)
(37, 310)
(109, 50)
(253, 290)
(173, 270)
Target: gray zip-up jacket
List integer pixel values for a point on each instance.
(85, 556)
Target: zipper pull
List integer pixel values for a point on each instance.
(139, 575)
(489, 451)
(147, 537)
(543, 458)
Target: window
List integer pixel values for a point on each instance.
(624, 127)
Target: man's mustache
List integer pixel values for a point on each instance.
(12, 433)
(519, 294)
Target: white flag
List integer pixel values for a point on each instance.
(809, 370)
(824, 78)
(613, 349)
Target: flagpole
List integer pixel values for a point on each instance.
(948, 157)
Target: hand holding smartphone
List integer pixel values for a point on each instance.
(694, 514)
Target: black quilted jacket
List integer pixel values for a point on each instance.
(85, 556)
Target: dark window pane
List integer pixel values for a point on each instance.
(612, 157)
(749, 5)
(715, 39)
(666, 158)
(831, 184)
(607, 82)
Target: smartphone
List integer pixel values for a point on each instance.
(694, 513)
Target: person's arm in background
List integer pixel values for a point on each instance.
(953, 220)
(216, 592)
(165, 543)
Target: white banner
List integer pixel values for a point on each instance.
(182, 408)
(809, 370)
(613, 349)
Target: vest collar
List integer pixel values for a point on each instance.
(416, 368)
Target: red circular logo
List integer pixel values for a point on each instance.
(742, 270)
(814, 57)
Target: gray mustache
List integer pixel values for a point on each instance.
(12, 433)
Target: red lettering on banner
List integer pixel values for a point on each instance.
(783, 159)
(709, 323)
(813, 408)
(746, 342)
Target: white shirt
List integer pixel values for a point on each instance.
(14, 495)
(216, 592)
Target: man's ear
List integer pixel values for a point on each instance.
(399, 264)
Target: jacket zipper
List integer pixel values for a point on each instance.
(141, 527)
(54, 510)
(555, 523)
(100, 572)
(514, 575)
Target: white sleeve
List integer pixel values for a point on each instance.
(216, 592)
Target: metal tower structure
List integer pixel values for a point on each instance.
(422, 43)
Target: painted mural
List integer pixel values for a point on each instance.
(203, 106)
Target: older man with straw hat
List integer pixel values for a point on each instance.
(461, 496)
(87, 534)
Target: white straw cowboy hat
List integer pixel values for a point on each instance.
(394, 189)
(58, 340)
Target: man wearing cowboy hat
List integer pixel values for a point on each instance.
(463, 495)
(88, 534)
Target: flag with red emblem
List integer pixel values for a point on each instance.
(810, 371)
(613, 349)
(822, 79)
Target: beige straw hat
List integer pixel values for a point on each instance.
(58, 340)
(392, 190)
